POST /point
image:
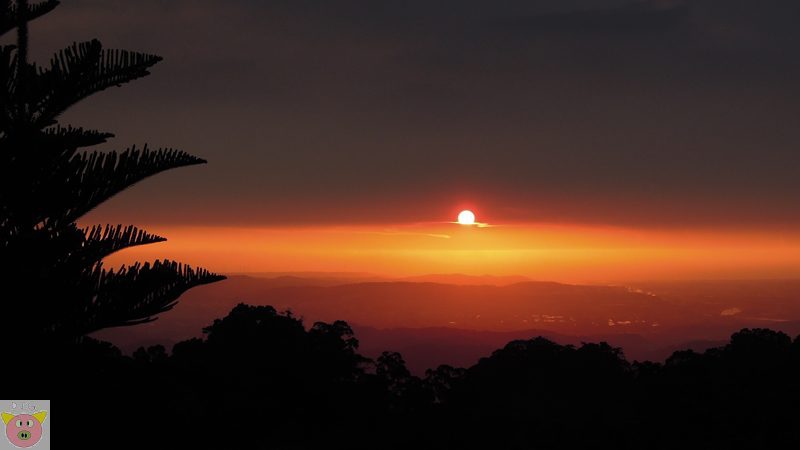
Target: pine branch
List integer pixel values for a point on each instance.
(135, 294)
(46, 184)
(42, 154)
(92, 178)
(8, 85)
(39, 9)
(100, 241)
(10, 17)
(80, 71)
(74, 137)
(67, 67)
(22, 36)
(52, 146)
(58, 144)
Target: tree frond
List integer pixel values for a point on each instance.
(67, 67)
(56, 283)
(43, 153)
(80, 71)
(102, 241)
(9, 14)
(8, 70)
(136, 293)
(76, 137)
(39, 9)
(92, 178)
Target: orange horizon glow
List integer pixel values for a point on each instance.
(564, 253)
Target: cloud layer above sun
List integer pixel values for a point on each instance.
(629, 113)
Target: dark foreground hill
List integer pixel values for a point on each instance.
(261, 379)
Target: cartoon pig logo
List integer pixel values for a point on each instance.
(24, 430)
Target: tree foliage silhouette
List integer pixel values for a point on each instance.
(261, 379)
(52, 270)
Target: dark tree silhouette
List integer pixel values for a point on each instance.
(260, 379)
(54, 284)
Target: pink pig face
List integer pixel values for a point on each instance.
(24, 430)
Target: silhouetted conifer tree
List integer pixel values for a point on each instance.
(54, 285)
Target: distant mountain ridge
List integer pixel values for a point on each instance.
(334, 278)
(469, 280)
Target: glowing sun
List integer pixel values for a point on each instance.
(466, 217)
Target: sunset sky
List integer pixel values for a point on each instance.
(603, 140)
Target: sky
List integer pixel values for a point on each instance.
(670, 119)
